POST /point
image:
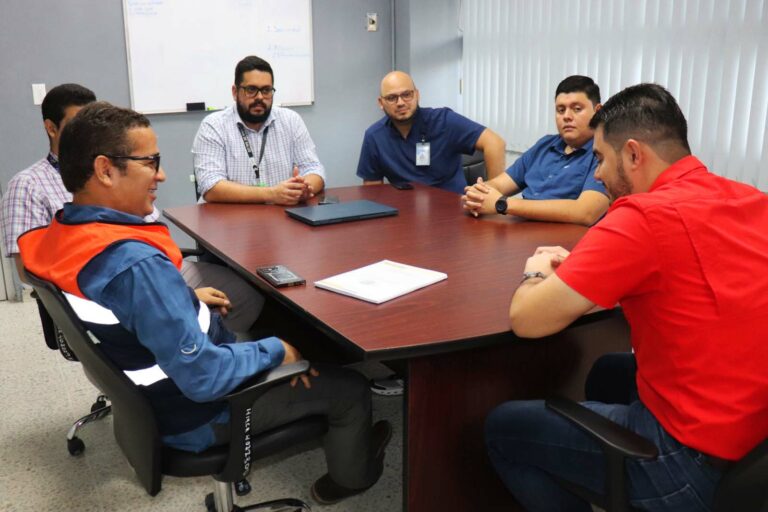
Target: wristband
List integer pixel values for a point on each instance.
(531, 275)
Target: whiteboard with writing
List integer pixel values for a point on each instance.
(185, 51)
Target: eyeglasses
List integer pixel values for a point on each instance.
(405, 95)
(155, 159)
(251, 91)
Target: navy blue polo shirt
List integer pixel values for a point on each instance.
(385, 154)
(546, 172)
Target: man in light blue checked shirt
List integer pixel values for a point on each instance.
(254, 152)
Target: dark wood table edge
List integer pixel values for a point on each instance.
(391, 354)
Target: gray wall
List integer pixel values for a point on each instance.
(428, 46)
(83, 41)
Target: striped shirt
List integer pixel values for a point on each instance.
(34, 195)
(220, 153)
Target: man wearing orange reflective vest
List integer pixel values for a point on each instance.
(121, 275)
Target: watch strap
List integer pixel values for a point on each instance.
(531, 275)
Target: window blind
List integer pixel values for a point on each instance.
(712, 55)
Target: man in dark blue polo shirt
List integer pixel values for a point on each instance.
(556, 175)
(423, 144)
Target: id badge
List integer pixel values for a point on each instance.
(422, 154)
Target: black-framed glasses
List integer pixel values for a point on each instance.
(251, 91)
(155, 159)
(405, 95)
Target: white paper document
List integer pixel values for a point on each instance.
(381, 281)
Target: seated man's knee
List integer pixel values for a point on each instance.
(512, 422)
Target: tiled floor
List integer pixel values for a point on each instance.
(41, 394)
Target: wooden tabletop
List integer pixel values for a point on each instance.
(483, 257)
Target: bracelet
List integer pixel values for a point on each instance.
(531, 275)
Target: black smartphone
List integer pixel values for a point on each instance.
(403, 185)
(280, 276)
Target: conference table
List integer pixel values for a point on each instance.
(451, 339)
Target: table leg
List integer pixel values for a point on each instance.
(449, 395)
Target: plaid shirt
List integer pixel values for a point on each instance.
(33, 196)
(220, 154)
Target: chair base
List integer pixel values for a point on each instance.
(99, 410)
(221, 501)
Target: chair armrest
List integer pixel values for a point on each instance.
(189, 251)
(256, 386)
(612, 436)
(240, 404)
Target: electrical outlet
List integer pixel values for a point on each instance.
(38, 93)
(373, 22)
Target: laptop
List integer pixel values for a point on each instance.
(340, 212)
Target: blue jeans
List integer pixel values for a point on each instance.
(529, 444)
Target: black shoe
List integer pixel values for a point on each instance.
(327, 492)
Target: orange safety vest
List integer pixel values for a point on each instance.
(58, 252)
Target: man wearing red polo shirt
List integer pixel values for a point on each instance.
(685, 252)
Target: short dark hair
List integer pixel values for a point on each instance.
(579, 83)
(251, 63)
(646, 112)
(63, 96)
(98, 129)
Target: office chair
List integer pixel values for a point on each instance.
(54, 339)
(743, 486)
(474, 167)
(136, 430)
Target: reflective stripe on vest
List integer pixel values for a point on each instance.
(89, 311)
(146, 376)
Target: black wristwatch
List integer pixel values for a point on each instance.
(501, 205)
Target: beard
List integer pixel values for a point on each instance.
(405, 120)
(246, 115)
(621, 187)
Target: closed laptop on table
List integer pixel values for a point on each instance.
(340, 212)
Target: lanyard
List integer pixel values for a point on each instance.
(248, 149)
(54, 163)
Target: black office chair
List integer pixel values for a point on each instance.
(100, 408)
(193, 179)
(743, 486)
(136, 430)
(474, 167)
(55, 340)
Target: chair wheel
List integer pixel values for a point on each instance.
(242, 487)
(76, 446)
(210, 505)
(100, 403)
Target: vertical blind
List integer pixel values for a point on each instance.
(712, 55)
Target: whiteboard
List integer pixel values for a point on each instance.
(185, 51)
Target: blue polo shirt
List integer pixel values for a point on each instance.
(546, 172)
(385, 154)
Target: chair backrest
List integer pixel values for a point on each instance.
(52, 335)
(193, 179)
(474, 167)
(745, 485)
(134, 423)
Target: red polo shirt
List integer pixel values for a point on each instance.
(688, 261)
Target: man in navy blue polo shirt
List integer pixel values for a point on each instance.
(556, 175)
(423, 144)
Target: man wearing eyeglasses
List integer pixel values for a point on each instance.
(254, 152)
(35, 194)
(412, 143)
(126, 273)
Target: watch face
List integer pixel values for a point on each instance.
(501, 205)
